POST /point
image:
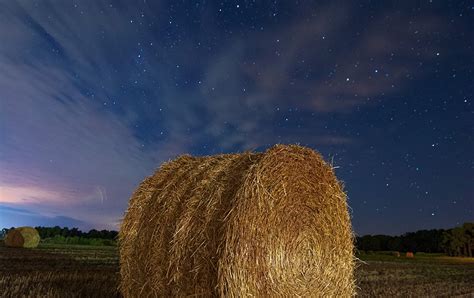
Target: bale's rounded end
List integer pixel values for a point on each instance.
(25, 237)
(290, 234)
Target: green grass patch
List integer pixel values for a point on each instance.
(61, 240)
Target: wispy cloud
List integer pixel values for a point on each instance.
(14, 217)
(249, 78)
(63, 150)
(376, 62)
(29, 194)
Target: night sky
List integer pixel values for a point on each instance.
(95, 95)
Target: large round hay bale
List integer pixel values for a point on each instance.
(26, 237)
(250, 224)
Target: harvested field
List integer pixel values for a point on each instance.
(427, 275)
(55, 271)
(79, 271)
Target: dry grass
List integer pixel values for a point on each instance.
(250, 224)
(59, 272)
(428, 276)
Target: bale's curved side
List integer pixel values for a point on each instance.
(26, 237)
(290, 233)
(199, 231)
(158, 226)
(147, 191)
(179, 257)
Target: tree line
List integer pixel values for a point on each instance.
(56, 231)
(458, 241)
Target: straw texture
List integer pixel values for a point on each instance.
(250, 224)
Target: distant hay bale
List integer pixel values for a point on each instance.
(396, 254)
(249, 224)
(410, 255)
(26, 237)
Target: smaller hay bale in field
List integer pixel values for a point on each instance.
(410, 255)
(26, 237)
(396, 254)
